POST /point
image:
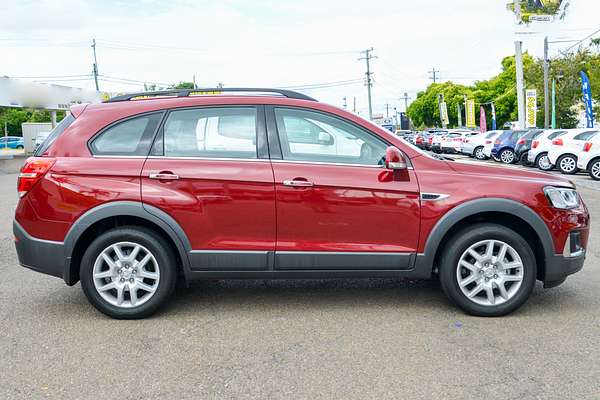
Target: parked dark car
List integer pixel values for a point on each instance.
(132, 194)
(504, 146)
(524, 145)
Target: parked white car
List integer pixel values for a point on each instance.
(489, 144)
(565, 149)
(538, 154)
(451, 143)
(473, 146)
(589, 157)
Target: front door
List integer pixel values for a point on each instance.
(337, 207)
(206, 172)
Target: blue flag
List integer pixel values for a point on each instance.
(587, 99)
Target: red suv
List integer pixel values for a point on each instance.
(129, 195)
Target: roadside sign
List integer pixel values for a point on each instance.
(471, 114)
(531, 108)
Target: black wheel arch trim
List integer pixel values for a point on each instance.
(125, 209)
(451, 218)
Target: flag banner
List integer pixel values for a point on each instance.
(493, 117)
(471, 113)
(444, 113)
(482, 120)
(586, 89)
(530, 108)
(459, 115)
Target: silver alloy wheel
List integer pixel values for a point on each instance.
(568, 164)
(490, 272)
(595, 170)
(544, 163)
(507, 156)
(479, 153)
(126, 274)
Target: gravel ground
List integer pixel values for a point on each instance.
(336, 339)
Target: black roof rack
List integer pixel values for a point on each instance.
(205, 91)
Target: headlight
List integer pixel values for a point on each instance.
(562, 197)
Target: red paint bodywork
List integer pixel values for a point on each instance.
(242, 205)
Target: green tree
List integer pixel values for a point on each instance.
(183, 85)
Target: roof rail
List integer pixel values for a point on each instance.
(205, 91)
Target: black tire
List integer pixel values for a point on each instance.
(156, 245)
(19, 147)
(594, 169)
(478, 153)
(539, 162)
(507, 156)
(523, 159)
(460, 242)
(567, 159)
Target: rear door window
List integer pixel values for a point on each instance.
(224, 132)
(131, 137)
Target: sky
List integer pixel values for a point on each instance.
(311, 44)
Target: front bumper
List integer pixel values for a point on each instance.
(559, 267)
(43, 256)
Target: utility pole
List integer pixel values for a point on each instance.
(387, 110)
(345, 103)
(95, 70)
(546, 90)
(433, 73)
(369, 75)
(354, 105)
(406, 99)
(519, 69)
(194, 80)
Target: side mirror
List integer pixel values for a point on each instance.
(325, 139)
(394, 159)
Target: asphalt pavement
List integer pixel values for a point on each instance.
(307, 339)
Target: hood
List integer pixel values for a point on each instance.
(507, 173)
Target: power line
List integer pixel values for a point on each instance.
(585, 38)
(50, 76)
(95, 66)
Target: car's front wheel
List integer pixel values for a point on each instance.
(567, 164)
(487, 270)
(128, 272)
(507, 156)
(479, 154)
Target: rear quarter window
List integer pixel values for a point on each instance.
(54, 134)
(554, 135)
(130, 137)
(585, 135)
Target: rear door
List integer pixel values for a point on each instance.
(337, 207)
(209, 170)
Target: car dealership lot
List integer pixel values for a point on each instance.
(298, 339)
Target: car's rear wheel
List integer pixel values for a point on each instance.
(128, 272)
(507, 156)
(19, 147)
(543, 162)
(479, 153)
(488, 270)
(594, 169)
(567, 164)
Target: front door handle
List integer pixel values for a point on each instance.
(297, 183)
(164, 176)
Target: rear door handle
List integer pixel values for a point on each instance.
(164, 176)
(297, 183)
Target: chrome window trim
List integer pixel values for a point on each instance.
(208, 158)
(231, 251)
(335, 164)
(109, 156)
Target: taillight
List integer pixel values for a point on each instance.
(466, 140)
(33, 170)
(497, 142)
(488, 141)
(430, 140)
(535, 144)
(557, 142)
(458, 140)
(521, 141)
(419, 140)
(587, 146)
